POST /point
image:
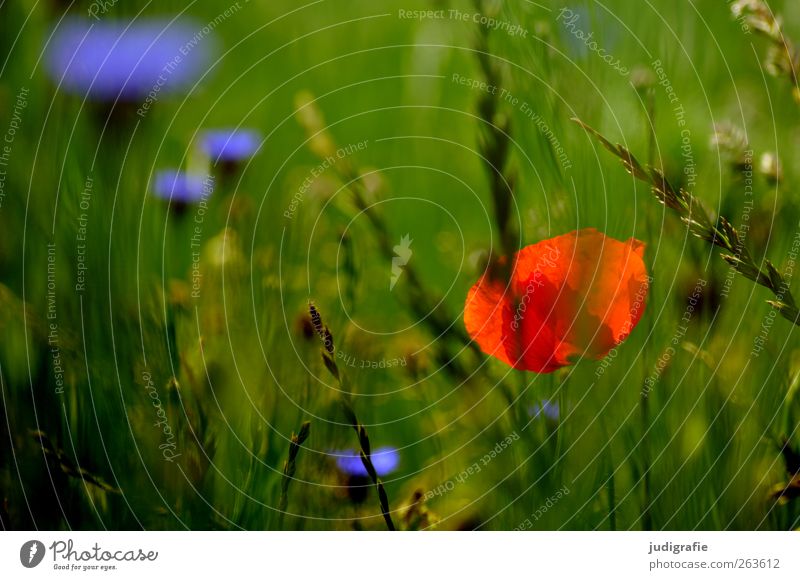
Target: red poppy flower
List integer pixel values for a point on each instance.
(572, 296)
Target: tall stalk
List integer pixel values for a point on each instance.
(329, 360)
(719, 233)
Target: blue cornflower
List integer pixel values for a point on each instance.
(128, 61)
(181, 187)
(550, 409)
(230, 145)
(385, 460)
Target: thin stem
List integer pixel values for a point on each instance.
(329, 360)
(366, 459)
(644, 402)
(647, 518)
(289, 469)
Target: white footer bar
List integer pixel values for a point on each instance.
(334, 555)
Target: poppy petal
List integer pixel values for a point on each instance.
(576, 295)
(484, 315)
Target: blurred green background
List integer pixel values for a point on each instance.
(237, 371)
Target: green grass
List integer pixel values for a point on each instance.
(235, 375)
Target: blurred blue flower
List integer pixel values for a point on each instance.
(126, 60)
(181, 187)
(549, 409)
(230, 145)
(385, 460)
